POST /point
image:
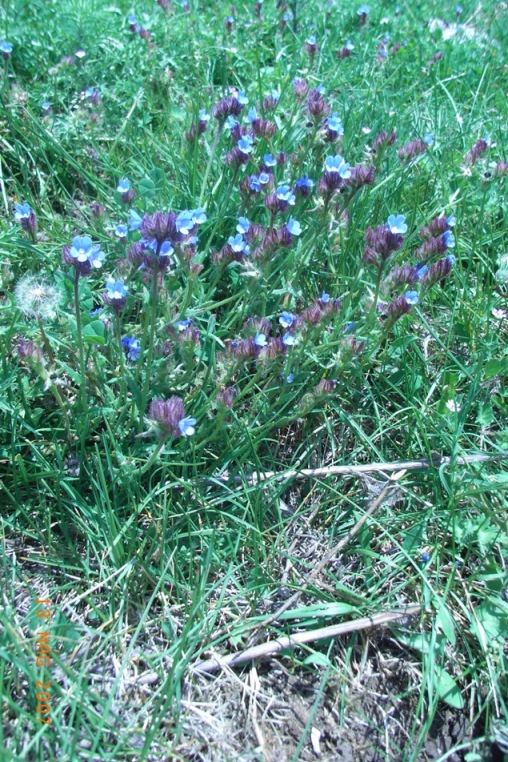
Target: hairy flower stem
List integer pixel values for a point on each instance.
(82, 369)
(377, 290)
(56, 394)
(153, 457)
(209, 165)
(123, 369)
(151, 337)
(47, 345)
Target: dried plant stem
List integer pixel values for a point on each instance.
(365, 468)
(333, 551)
(331, 631)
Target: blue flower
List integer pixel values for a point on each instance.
(396, 223)
(350, 327)
(451, 259)
(294, 226)
(123, 185)
(80, 54)
(268, 160)
(166, 249)
(149, 243)
(337, 164)
(132, 348)
(243, 225)
(187, 219)
(260, 340)
(186, 426)
(349, 45)
(428, 138)
(252, 114)
(203, 116)
(22, 212)
(334, 124)
(132, 20)
(96, 311)
(458, 9)
(284, 193)
(425, 558)
(421, 270)
(83, 250)
(287, 16)
(264, 178)
(363, 9)
(5, 49)
(325, 298)
(289, 378)
(289, 340)
(183, 324)
(311, 40)
(46, 106)
(121, 230)
(245, 144)
(451, 220)
(92, 92)
(449, 239)
(287, 319)
(231, 123)
(184, 222)
(304, 183)
(134, 220)
(238, 243)
(116, 289)
(411, 297)
(254, 183)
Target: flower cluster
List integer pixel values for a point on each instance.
(168, 419)
(83, 255)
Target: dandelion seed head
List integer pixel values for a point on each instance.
(36, 297)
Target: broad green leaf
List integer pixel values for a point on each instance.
(447, 689)
(94, 333)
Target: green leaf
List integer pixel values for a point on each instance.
(494, 367)
(148, 188)
(447, 688)
(94, 333)
(414, 536)
(318, 659)
(444, 623)
(492, 619)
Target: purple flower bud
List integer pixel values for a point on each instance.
(437, 271)
(412, 149)
(168, 417)
(479, 148)
(360, 176)
(311, 46)
(226, 396)
(398, 307)
(325, 386)
(229, 106)
(383, 139)
(300, 87)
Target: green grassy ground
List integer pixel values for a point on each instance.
(151, 534)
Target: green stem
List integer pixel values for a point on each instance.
(151, 337)
(209, 165)
(56, 393)
(153, 457)
(82, 370)
(47, 345)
